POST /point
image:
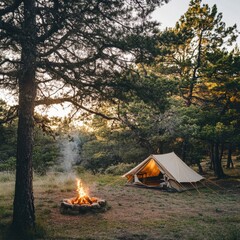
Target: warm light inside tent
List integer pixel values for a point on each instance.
(149, 170)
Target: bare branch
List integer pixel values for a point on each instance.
(11, 30)
(50, 101)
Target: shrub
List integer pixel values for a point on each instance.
(8, 165)
(80, 169)
(45, 152)
(120, 168)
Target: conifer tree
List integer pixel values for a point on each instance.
(55, 51)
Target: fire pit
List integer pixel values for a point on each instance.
(83, 203)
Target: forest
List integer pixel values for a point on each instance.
(127, 90)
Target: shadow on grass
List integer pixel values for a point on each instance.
(7, 232)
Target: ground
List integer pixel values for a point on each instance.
(136, 213)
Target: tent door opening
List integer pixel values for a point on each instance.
(151, 175)
(151, 181)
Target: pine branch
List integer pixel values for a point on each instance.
(11, 8)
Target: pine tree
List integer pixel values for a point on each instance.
(55, 51)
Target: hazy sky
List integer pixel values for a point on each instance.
(170, 13)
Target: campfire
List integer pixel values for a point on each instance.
(82, 203)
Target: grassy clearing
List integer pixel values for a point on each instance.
(136, 213)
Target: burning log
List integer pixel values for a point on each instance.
(83, 203)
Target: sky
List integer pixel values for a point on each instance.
(169, 14)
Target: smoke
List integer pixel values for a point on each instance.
(69, 147)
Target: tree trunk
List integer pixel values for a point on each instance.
(160, 148)
(229, 159)
(200, 170)
(218, 170)
(221, 152)
(211, 167)
(184, 150)
(24, 212)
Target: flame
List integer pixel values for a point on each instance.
(82, 197)
(80, 189)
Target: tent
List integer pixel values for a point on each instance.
(164, 171)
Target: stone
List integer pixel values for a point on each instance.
(95, 206)
(98, 205)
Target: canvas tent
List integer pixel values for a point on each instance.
(166, 171)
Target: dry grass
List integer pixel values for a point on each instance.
(136, 213)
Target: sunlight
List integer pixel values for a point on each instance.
(64, 110)
(55, 110)
(6, 96)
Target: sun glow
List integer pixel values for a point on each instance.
(62, 111)
(55, 110)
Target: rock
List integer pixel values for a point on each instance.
(95, 206)
(102, 202)
(99, 205)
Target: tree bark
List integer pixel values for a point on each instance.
(221, 152)
(211, 166)
(218, 170)
(160, 148)
(24, 212)
(229, 159)
(200, 169)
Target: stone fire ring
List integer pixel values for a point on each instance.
(74, 209)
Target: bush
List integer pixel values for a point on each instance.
(8, 165)
(120, 168)
(80, 169)
(45, 152)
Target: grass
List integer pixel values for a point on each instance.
(136, 213)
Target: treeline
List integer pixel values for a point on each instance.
(114, 146)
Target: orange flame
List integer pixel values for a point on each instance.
(80, 189)
(82, 197)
